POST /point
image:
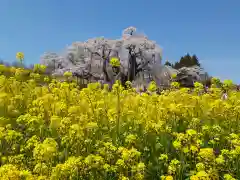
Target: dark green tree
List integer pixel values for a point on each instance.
(195, 60)
(187, 61)
(167, 63)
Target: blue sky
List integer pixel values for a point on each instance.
(208, 28)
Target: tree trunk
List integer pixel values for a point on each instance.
(132, 67)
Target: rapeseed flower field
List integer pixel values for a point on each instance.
(51, 130)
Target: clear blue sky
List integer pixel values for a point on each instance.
(208, 28)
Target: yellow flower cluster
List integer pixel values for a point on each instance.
(20, 56)
(115, 62)
(53, 130)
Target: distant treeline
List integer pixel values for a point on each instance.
(185, 61)
(16, 64)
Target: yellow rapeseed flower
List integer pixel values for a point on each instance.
(67, 74)
(115, 62)
(20, 56)
(169, 178)
(67, 133)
